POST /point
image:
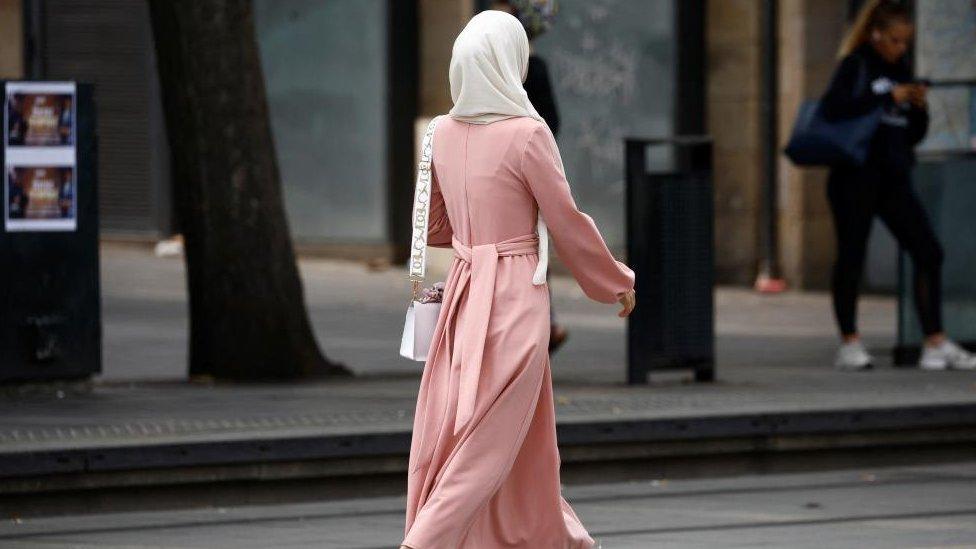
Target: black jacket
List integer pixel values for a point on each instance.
(539, 90)
(862, 82)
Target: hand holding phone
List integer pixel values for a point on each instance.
(919, 93)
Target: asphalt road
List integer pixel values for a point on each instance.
(906, 507)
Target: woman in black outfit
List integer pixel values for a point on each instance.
(539, 89)
(874, 73)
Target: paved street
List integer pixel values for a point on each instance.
(910, 507)
(774, 355)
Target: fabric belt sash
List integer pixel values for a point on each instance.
(483, 260)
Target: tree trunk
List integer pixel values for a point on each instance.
(247, 312)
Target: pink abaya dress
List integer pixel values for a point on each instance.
(484, 465)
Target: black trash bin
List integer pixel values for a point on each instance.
(50, 314)
(670, 247)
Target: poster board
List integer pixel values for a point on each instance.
(40, 157)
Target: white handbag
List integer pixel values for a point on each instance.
(418, 330)
(418, 327)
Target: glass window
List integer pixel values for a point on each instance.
(325, 72)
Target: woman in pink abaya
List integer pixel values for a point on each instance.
(484, 465)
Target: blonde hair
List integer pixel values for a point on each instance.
(873, 15)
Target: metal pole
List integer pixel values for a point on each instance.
(769, 278)
(33, 13)
(690, 63)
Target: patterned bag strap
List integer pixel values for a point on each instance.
(421, 209)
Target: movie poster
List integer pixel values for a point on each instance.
(40, 157)
(40, 194)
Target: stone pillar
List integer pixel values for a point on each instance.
(733, 36)
(11, 39)
(440, 22)
(809, 34)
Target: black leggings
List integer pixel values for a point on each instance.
(856, 195)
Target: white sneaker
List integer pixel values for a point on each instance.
(945, 356)
(853, 356)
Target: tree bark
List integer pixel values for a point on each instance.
(247, 312)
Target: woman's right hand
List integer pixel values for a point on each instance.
(629, 301)
(919, 95)
(902, 93)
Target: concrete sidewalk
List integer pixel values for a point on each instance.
(357, 314)
(774, 356)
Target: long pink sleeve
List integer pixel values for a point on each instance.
(439, 231)
(578, 242)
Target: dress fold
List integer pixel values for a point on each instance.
(483, 260)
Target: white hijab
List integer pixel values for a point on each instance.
(488, 65)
